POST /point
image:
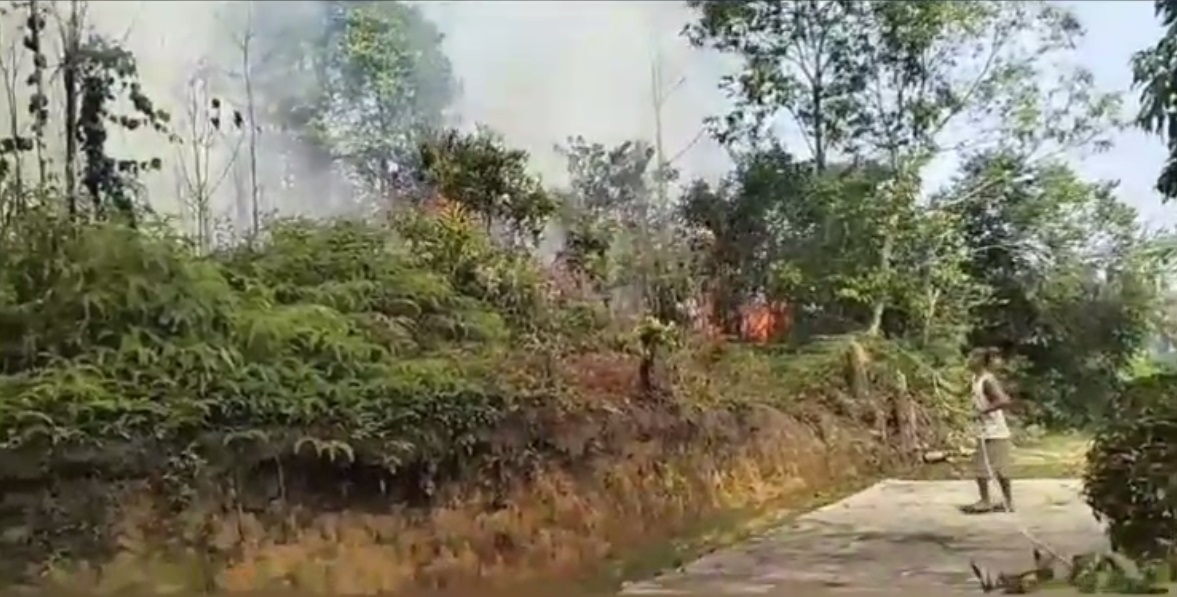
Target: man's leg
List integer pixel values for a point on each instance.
(1000, 456)
(983, 490)
(981, 474)
(1006, 493)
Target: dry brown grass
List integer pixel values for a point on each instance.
(557, 526)
(656, 471)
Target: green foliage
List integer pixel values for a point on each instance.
(831, 112)
(883, 83)
(454, 247)
(393, 82)
(1153, 75)
(614, 232)
(103, 68)
(97, 74)
(853, 375)
(386, 346)
(1018, 252)
(358, 82)
(608, 182)
(355, 268)
(325, 333)
(1129, 479)
(1073, 291)
(777, 227)
(587, 244)
(739, 222)
(824, 64)
(481, 174)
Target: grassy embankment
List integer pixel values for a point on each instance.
(334, 412)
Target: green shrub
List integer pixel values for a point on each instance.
(327, 334)
(65, 292)
(453, 245)
(382, 346)
(358, 269)
(1131, 477)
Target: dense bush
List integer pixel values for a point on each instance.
(381, 345)
(1129, 481)
(326, 335)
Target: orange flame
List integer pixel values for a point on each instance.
(760, 322)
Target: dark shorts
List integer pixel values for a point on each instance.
(997, 453)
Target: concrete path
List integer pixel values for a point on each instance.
(896, 536)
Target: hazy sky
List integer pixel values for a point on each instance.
(1114, 31)
(539, 71)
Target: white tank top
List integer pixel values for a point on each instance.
(993, 425)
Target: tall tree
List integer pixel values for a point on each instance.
(97, 81)
(1072, 290)
(608, 187)
(358, 83)
(902, 83)
(799, 57)
(1154, 73)
(740, 224)
(615, 229)
(482, 175)
(390, 82)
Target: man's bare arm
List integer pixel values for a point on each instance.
(998, 399)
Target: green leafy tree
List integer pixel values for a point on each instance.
(610, 182)
(1154, 73)
(478, 172)
(609, 189)
(900, 84)
(391, 82)
(799, 57)
(357, 82)
(96, 75)
(1073, 290)
(739, 221)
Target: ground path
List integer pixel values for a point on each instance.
(902, 536)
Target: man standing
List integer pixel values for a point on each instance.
(994, 443)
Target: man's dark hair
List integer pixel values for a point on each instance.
(987, 355)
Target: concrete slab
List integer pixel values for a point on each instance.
(894, 536)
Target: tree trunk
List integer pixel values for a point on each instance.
(69, 78)
(879, 308)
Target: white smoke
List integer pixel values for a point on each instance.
(537, 72)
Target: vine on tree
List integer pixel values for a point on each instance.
(96, 73)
